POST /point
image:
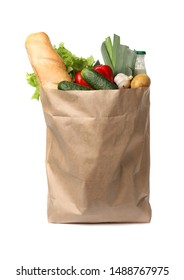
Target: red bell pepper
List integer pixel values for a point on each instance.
(106, 71)
(79, 80)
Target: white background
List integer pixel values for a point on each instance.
(26, 238)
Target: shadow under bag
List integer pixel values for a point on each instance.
(98, 155)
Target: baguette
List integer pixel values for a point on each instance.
(47, 65)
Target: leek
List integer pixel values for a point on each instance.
(119, 57)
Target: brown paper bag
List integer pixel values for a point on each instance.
(97, 155)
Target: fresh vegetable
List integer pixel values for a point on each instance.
(106, 71)
(106, 56)
(123, 80)
(96, 80)
(32, 81)
(119, 57)
(65, 85)
(140, 80)
(73, 64)
(79, 80)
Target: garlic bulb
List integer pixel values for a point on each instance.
(122, 80)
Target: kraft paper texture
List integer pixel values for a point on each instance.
(98, 155)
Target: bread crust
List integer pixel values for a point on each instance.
(48, 66)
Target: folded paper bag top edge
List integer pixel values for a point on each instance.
(97, 103)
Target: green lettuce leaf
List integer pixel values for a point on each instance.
(73, 63)
(32, 81)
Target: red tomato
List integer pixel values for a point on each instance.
(79, 80)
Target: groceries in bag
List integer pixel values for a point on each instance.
(58, 68)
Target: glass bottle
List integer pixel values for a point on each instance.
(140, 63)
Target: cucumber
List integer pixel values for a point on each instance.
(96, 80)
(66, 85)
